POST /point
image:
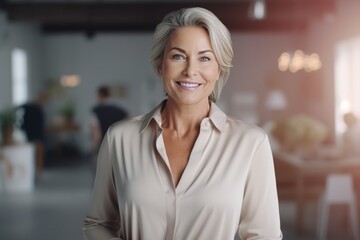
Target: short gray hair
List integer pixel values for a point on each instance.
(220, 40)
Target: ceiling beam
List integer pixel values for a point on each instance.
(282, 15)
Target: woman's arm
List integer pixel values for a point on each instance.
(260, 210)
(103, 221)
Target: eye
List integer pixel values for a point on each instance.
(205, 59)
(178, 57)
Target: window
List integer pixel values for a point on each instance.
(347, 81)
(19, 76)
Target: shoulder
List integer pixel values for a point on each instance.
(95, 107)
(27, 105)
(242, 129)
(234, 129)
(130, 126)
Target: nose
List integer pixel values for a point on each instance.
(190, 68)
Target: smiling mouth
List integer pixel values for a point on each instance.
(188, 85)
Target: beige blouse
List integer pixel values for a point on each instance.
(228, 187)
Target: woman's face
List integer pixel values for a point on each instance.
(189, 67)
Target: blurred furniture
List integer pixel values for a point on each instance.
(302, 180)
(63, 137)
(338, 190)
(18, 167)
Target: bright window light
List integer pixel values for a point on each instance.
(347, 81)
(19, 76)
(257, 9)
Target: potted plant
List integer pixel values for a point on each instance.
(67, 111)
(7, 124)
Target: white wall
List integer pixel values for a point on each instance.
(5, 63)
(28, 37)
(106, 59)
(5, 77)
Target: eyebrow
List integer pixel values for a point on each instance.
(183, 51)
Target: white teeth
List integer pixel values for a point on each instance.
(189, 85)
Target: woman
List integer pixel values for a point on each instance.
(185, 170)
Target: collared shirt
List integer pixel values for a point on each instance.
(228, 187)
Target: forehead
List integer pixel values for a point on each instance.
(189, 36)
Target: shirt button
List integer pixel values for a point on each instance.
(207, 124)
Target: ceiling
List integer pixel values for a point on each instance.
(114, 16)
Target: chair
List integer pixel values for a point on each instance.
(338, 190)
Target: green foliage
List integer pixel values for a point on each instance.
(67, 111)
(7, 118)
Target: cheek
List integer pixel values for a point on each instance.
(213, 74)
(164, 70)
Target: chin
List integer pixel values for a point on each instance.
(190, 101)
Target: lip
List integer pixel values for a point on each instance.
(188, 85)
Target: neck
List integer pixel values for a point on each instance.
(183, 118)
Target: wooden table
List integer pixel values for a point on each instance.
(301, 180)
(64, 136)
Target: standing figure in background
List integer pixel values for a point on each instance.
(351, 136)
(104, 113)
(186, 170)
(33, 125)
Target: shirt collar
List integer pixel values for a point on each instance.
(154, 114)
(216, 116)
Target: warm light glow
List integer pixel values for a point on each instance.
(70, 80)
(257, 9)
(284, 61)
(313, 63)
(345, 106)
(299, 61)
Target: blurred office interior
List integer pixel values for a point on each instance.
(296, 73)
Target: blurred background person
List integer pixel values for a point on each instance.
(351, 136)
(104, 114)
(33, 125)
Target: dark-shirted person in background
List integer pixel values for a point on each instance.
(104, 113)
(33, 125)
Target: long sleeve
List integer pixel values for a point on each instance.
(260, 218)
(103, 221)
